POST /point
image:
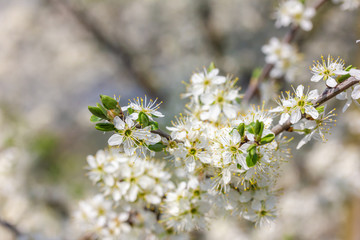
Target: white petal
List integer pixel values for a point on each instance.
(218, 80)
(235, 137)
(313, 95)
(229, 111)
(213, 73)
(331, 82)
(277, 109)
(303, 141)
(284, 117)
(132, 194)
(226, 176)
(118, 123)
(347, 105)
(115, 140)
(190, 164)
(289, 103)
(356, 92)
(295, 116)
(306, 25)
(129, 122)
(355, 73)
(207, 98)
(300, 91)
(311, 111)
(341, 96)
(316, 78)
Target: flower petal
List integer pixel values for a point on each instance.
(115, 140)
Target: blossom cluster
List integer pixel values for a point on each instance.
(223, 157)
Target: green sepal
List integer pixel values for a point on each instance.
(143, 119)
(154, 125)
(238, 166)
(320, 109)
(267, 139)
(158, 147)
(97, 112)
(94, 118)
(241, 129)
(211, 67)
(106, 127)
(108, 102)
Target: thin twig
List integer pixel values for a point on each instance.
(325, 96)
(288, 38)
(12, 228)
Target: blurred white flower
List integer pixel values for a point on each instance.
(294, 12)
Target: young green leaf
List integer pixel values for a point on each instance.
(158, 147)
(108, 102)
(267, 139)
(106, 127)
(94, 118)
(97, 112)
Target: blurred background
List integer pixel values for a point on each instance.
(57, 56)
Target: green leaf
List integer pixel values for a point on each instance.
(320, 109)
(238, 166)
(143, 119)
(94, 118)
(158, 147)
(251, 159)
(211, 67)
(102, 109)
(241, 129)
(108, 102)
(97, 112)
(267, 139)
(106, 127)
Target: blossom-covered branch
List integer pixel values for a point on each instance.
(325, 96)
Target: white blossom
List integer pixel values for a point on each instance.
(294, 12)
(328, 70)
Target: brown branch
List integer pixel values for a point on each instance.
(12, 228)
(288, 38)
(325, 96)
(119, 50)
